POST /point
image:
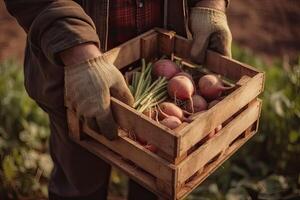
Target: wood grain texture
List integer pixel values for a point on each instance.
(144, 127)
(218, 143)
(196, 181)
(207, 121)
(149, 46)
(128, 52)
(73, 125)
(136, 153)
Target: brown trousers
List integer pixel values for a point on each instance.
(78, 174)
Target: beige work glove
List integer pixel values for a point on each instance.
(88, 87)
(210, 31)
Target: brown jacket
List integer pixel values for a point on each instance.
(55, 25)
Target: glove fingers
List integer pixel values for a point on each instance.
(121, 92)
(92, 123)
(107, 125)
(104, 117)
(221, 42)
(199, 48)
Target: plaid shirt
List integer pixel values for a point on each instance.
(129, 18)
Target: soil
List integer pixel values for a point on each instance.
(12, 36)
(268, 27)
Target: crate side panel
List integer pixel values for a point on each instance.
(229, 68)
(219, 143)
(73, 125)
(215, 62)
(182, 47)
(193, 184)
(128, 52)
(149, 47)
(130, 150)
(207, 121)
(117, 161)
(166, 41)
(143, 127)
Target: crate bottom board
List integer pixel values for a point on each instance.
(149, 181)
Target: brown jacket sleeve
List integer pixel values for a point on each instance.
(53, 25)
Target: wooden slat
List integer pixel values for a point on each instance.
(127, 52)
(215, 116)
(131, 150)
(117, 161)
(142, 126)
(214, 146)
(149, 47)
(190, 186)
(227, 67)
(166, 41)
(215, 62)
(73, 125)
(182, 47)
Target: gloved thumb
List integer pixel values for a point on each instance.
(107, 125)
(199, 46)
(104, 117)
(121, 92)
(221, 42)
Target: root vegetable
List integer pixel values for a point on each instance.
(181, 87)
(199, 104)
(171, 122)
(167, 109)
(141, 140)
(165, 68)
(151, 148)
(211, 87)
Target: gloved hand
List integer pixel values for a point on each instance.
(88, 87)
(210, 31)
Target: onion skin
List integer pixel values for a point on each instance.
(165, 68)
(199, 104)
(171, 122)
(188, 76)
(181, 87)
(211, 87)
(170, 109)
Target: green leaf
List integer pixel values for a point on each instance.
(9, 168)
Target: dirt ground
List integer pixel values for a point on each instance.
(269, 27)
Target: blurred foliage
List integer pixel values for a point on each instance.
(24, 161)
(265, 168)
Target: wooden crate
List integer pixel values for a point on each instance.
(184, 158)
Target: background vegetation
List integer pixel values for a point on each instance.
(266, 168)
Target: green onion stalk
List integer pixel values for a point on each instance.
(147, 93)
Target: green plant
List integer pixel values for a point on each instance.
(24, 162)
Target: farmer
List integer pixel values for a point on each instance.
(65, 41)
